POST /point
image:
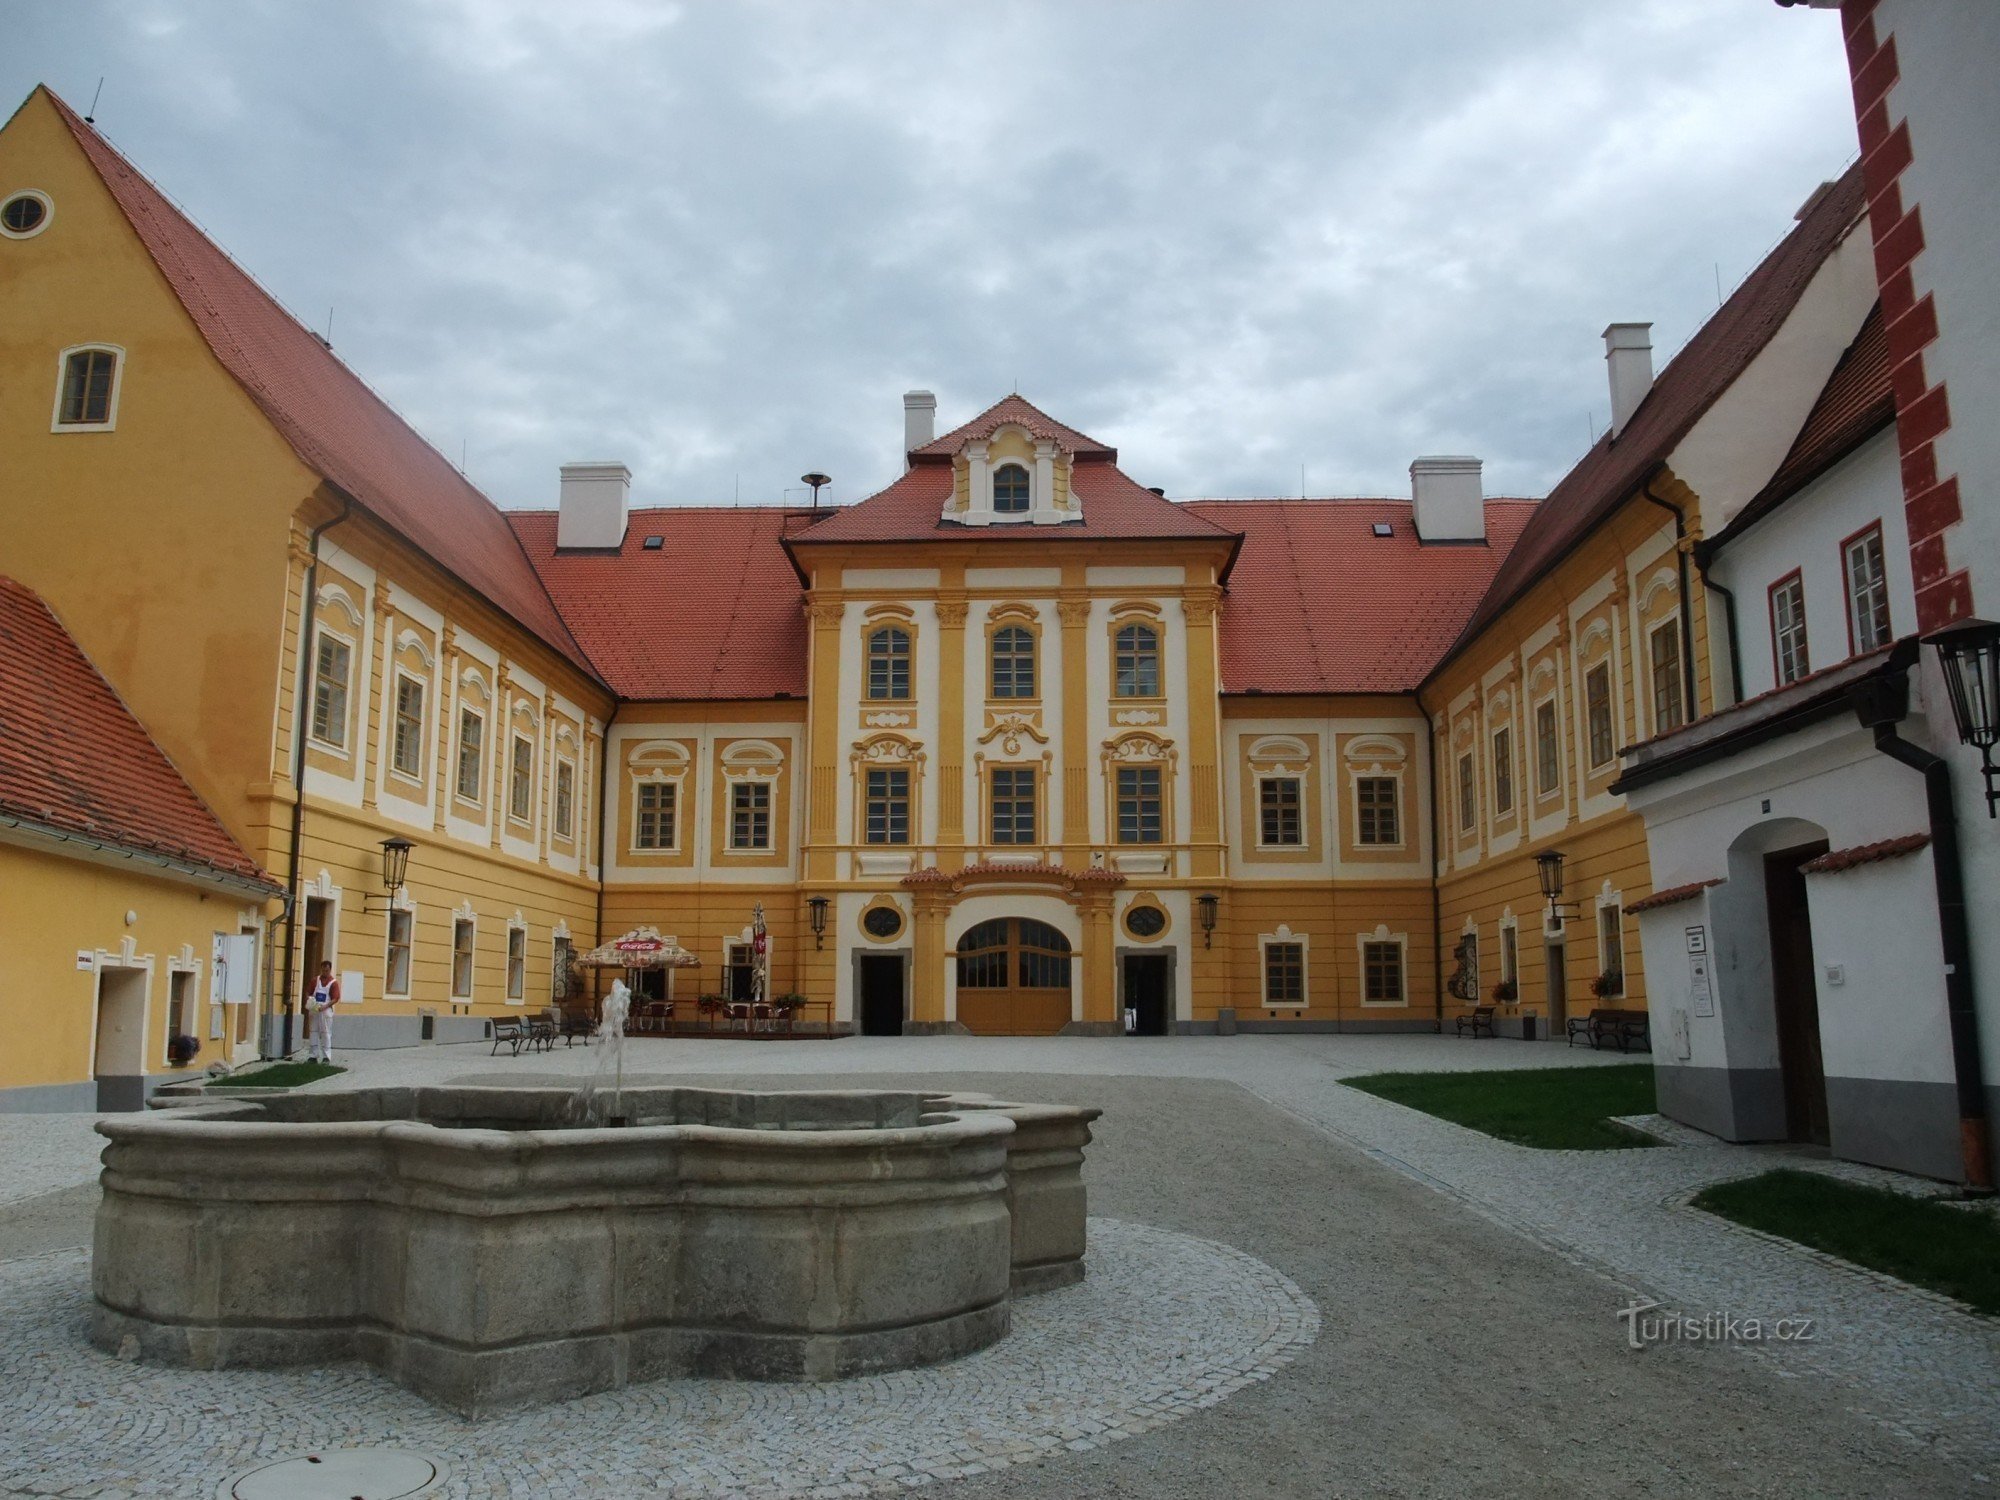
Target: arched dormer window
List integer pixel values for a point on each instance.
(889, 663)
(1013, 662)
(88, 395)
(1010, 490)
(1138, 662)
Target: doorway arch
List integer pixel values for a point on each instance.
(1764, 918)
(1013, 977)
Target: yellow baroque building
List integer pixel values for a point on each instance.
(1015, 745)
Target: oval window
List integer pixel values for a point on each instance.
(24, 214)
(882, 921)
(1145, 921)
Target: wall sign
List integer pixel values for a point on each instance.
(86, 959)
(1700, 990)
(1697, 939)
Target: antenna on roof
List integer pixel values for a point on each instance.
(1718, 283)
(1590, 426)
(461, 457)
(815, 479)
(91, 118)
(1302, 481)
(327, 337)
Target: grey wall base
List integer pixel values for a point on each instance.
(50, 1099)
(1908, 1127)
(1736, 1104)
(1260, 1026)
(936, 1028)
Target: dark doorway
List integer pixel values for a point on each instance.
(739, 974)
(1148, 992)
(881, 994)
(315, 937)
(1795, 993)
(1558, 990)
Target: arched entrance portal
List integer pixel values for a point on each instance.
(1013, 978)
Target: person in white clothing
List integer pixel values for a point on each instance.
(320, 1001)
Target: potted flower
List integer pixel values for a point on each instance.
(181, 1049)
(1609, 984)
(1506, 992)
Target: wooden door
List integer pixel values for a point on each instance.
(1795, 994)
(1013, 978)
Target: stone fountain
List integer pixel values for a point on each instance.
(489, 1247)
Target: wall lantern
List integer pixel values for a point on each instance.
(395, 865)
(1969, 652)
(1207, 905)
(1549, 871)
(816, 911)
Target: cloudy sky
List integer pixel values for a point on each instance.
(719, 240)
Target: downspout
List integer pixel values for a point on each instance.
(1693, 711)
(308, 631)
(1881, 703)
(1437, 903)
(603, 821)
(1704, 556)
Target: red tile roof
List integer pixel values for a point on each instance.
(714, 612)
(910, 510)
(1719, 352)
(73, 759)
(1023, 413)
(1318, 603)
(1856, 403)
(338, 427)
(1866, 854)
(1673, 895)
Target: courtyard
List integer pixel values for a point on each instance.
(1296, 1288)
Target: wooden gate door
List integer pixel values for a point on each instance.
(1013, 978)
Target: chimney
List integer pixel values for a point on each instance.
(1450, 502)
(919, 419)
(1628, 353)
(593, 502)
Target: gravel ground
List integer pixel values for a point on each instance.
(1468, 1289)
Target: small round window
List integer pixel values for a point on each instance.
(882, 921)
(24, 214)
(1145, 921)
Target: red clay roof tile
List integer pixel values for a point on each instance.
(1866, 854)
(1673, 895)
(1023, 413)
(74, 760)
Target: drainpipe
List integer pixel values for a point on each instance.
(308, 654)
(1437, 903)
(603, 819)
(1693, 711)
(1704, 557)
(1881, 703)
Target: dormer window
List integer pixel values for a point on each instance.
(1010, 490)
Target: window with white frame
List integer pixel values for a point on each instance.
(1503, 771)
(887, 809)
(1382, 971)
(1011, 670)
(1136, 662)
(565, 810)
(1010, 490)
(1669, 706)
(88, 397)
(406, 752)
(889, 663)
(1011, 812)
(471, 753)
(461, 958)
(396, 960)
(1469, 941)
(1280, 812)
(1867, 590)
(517, 962)
(1788, 629)
(521, 780)
(1611, 947)
(750, 815)
(1510, 954)
(1468, 796)
(1597, 714)
(653, 815)
(1377, 820)
(1284, 973)
(1548, 749)
(333, 661)
(1141, 805)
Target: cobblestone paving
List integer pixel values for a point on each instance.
(46, 1153)
(1165, 1325)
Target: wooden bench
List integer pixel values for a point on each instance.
(1476, 1020)
(509, 1033)
(577, 1023)
(1606, 1024)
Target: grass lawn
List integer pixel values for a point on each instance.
(1919, 1240)
(1556, 1109)
(284, 1075)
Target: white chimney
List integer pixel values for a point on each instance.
(1450, 501)
(593, 503)
(1628, 354)
(919, 419)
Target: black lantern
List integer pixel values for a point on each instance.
(1969, 653)
(1207, 905)
(816, 912)
(395, 865)
(1549, 871)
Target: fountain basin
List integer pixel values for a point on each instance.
(485, 1251)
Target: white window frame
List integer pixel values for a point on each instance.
(1375, 772)
(1298, 780)
(1510, 951)
(48, 214)
(1499, 765)
(520, 780)
(1670, 623)
(401, 676)
(408, 912)
(673, 784)
(515, 985)
(478, 798)
(1879, 585)
(1614, 901)
(1469, 930)
(1782, 642)
(1284, 937)
(110, 422)
(465, 918)
(1362, 941)
(562, 809)
(770, 786)
(338, 747)
(1547, 700)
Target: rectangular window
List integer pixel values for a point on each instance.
(1597, 714)
(408, 753)
(461, 959)
(1867, 590)
(1376, 820)
(889, 663)
(1013, 810)
(653, 827)
(180, 1007)
(1469, 942)
(1468, 798)
(1284, 973)
(1503, 772)
(1013, 665)
(750, 815)
(1611, 947)
(87, 381)
(471, 754)
(565, 798)
(1510, 956)
(1548, 750)
(1139, 805)
(1136, 662)
(1281, 818)
(1788, 629)
(517, 962)
(888, 810)
(333, 662)
(396, 968)
(1669, 708)
(521, 781)
(1382, 973)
